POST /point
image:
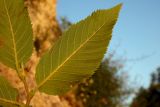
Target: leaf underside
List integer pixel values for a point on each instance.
(78, 53)
(7, 94)
(15, 33)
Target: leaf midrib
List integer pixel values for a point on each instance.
(45, 80)
(13, 35)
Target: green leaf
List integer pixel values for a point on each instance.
(78, 53)
(7, 94)
(15, 33)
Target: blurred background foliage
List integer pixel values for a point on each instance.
(149, 97)
(106, 88)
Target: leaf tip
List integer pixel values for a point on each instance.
(118, 7)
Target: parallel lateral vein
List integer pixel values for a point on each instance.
(43, 82)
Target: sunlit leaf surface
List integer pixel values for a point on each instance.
(78, 53)
(15, 33)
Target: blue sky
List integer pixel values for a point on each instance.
(136, 36)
